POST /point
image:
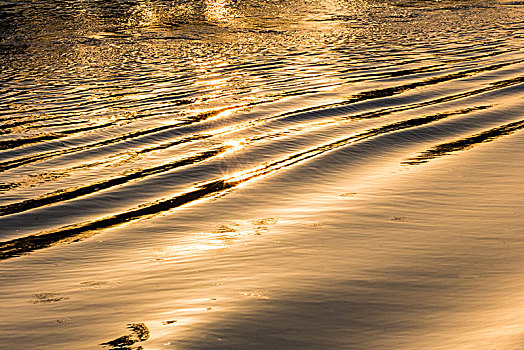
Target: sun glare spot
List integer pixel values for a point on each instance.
(235, 144)
(218, 10)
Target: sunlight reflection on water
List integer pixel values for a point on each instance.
(261, 174)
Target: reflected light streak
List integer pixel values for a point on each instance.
(235, 145)
(202, 242)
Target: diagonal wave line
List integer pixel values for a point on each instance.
(51, 154)
(366, 95)
(465, 143)
(68, 194)
(5, 210)
(14, 143)
(42, 240)
(395, 90)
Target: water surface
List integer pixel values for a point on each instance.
(261, 174)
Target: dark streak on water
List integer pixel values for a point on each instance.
(46, 239)
(465, 143)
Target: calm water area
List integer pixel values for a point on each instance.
(256, 174)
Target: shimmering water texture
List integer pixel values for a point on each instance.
(218, 174)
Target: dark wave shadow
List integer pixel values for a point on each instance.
(131, 135)
(65, 234)
(465, 143)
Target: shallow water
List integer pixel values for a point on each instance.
(261, 174)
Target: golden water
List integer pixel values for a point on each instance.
(261, 174)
